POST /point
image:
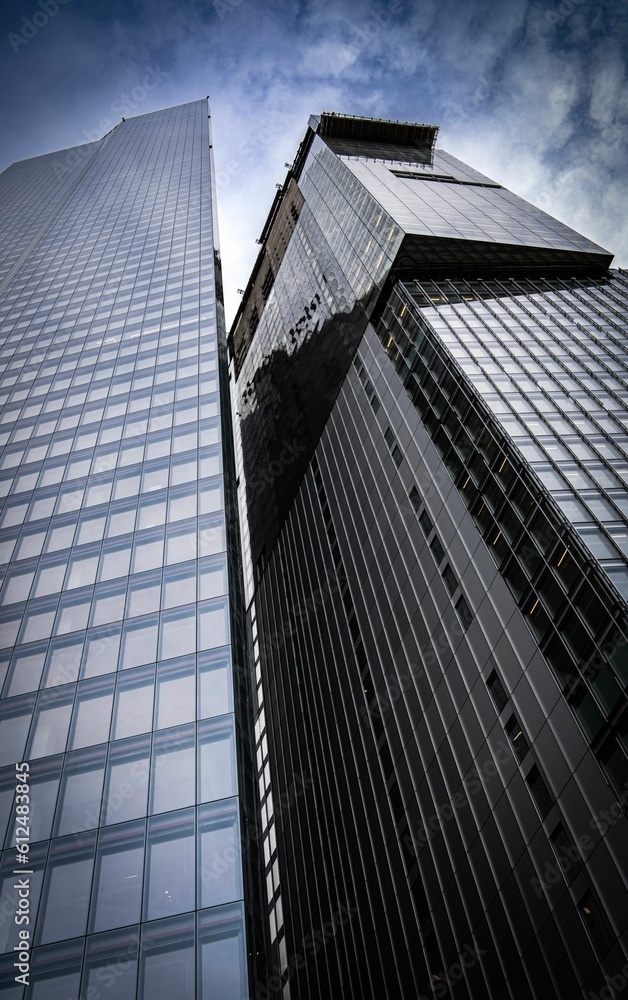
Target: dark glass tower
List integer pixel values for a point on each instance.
(432, 385)
(120, 609)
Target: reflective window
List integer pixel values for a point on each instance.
(170, 867)
(81, 790)
(111, 960)
(173, 770)
(118, 877)
(67, 885)
(217, 770)
(222, 958)
(133, 711)
(167, 960)
(126, 787)
(215, 695)
(220, 867)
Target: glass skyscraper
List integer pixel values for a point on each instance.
(431, 386)
(121, 615)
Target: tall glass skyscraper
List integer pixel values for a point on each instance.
(432, 387)
(121, 615)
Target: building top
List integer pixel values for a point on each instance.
(330, 125)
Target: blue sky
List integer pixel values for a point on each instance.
(532, 93)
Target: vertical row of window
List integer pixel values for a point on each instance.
(269, 827)
(568, 857)
(580, 628)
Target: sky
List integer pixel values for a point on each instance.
(532, 93)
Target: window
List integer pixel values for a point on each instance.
(101, 651)
(496, 691)
(217, 771)
(173, 770)
(222, 955)
(220, 865)
(167, 967)
(517, 738)
(118, 877)
(170, 865)
(64, 660)
(543, 799)
(126, 786)
(177, 632)
(139, 642)
(81, 789)
(133, 712)
(176, 694)
(92, 712)
(51, 722)
(65, 897)
(464, 612)
(111, 958)
(215, 696)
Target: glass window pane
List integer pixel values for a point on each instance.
(144, 594)
(114, 560)
(173, 770)
(126, 788)
(211, 534)
(118, 877)
(217, 769)
(26, 670)
(15, 720)
(74, 610)
(51, 722)
(180, 542)
(82, 567)
(222, 958)
(215, 684)
(133, 713)
(64, 660)
(167, 960)
(177, 632)
(66, 891)
(220, 862)
(81, 790)
(213, 624)
(152, 511)
(101, 651)
(179, 585)
(170, 868)
(111, 960)
(92, 712)
(148, 552)
(139, 642)
(212, 576)
(108, 602)
(56, 972)
(44, 784)
(38, 622)
(176, 692)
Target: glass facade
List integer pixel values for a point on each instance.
(437, 604)
(120, 604)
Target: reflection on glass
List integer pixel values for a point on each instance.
(118, 877)
(170, 869)
(66, 891)
(167, 960)
(126, 786)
